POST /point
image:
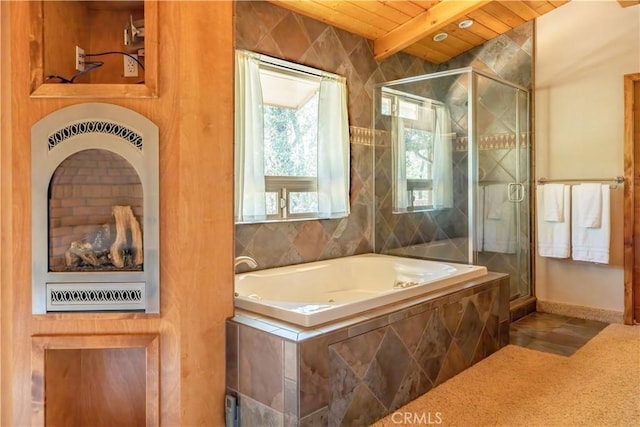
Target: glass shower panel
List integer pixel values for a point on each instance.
(452, 171)
(422, 168)
(502, 142)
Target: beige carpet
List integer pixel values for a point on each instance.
(597, 386)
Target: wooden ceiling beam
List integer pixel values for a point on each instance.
(427, 22)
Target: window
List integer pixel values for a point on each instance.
(292, 141)
(421, 151)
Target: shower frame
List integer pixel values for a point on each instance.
(520, 189)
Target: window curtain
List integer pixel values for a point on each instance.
(333, 149)
(399, 154)
(442, 183)
(250, 200)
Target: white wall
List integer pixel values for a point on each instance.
(583, 50)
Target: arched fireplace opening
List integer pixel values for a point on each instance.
(95, 210)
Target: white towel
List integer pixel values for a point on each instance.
(499, 234)
(588, 243)
(554, 237)
(589, 203)
(554, 202)
(494, 197)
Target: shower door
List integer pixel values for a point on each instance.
(501, 122)
(485, 220)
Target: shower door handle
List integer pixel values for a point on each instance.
(516, 192)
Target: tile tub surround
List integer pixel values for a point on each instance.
(357, 370)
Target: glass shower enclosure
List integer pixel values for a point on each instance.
(452, 162)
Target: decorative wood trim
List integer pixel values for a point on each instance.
(40, 89)
(629, 191)
(150, 343)
(434, 19)
(5, 110)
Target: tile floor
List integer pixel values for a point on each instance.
(553, 333)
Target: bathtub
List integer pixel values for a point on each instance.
(325, 291)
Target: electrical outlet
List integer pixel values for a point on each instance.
(79, 58)
(130, 66)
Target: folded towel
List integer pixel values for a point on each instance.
(500, 233)
(589, 204)
(554, 237)
(494, 197)
(554, 202)
(588, 243)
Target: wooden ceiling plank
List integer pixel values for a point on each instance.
(352, 10)
(541, 7)
(558, 3)
(425, 4)
(428, 55)
(503, 14)
(482, 17)
(482, 31)
(457, 43)
(439, 47)
(428, 22)
(464, 34)
(386, 11)
(521, 9)
(407, 7)
(323, 14)
(451, 46)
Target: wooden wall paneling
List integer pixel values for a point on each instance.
(20, 259)
(104, 41)
(632, 180)
(113, 391)
(100, 380)
(635, 135)
(62, 387)
(5, 167)
(206, 211)
(66, 24)
(36, 48)
(636, 192)
(194, 113)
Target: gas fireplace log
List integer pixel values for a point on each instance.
(126, 221)
(92, 251)
(80, 250)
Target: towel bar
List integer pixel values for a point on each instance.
(617, 180)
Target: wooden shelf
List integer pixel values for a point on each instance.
(116, 86)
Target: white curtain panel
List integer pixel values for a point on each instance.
(250, 201)
(333, 149)
(399, 154)
(442, 163)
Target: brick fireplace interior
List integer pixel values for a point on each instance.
(82, 192)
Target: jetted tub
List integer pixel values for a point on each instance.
(324, 291)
